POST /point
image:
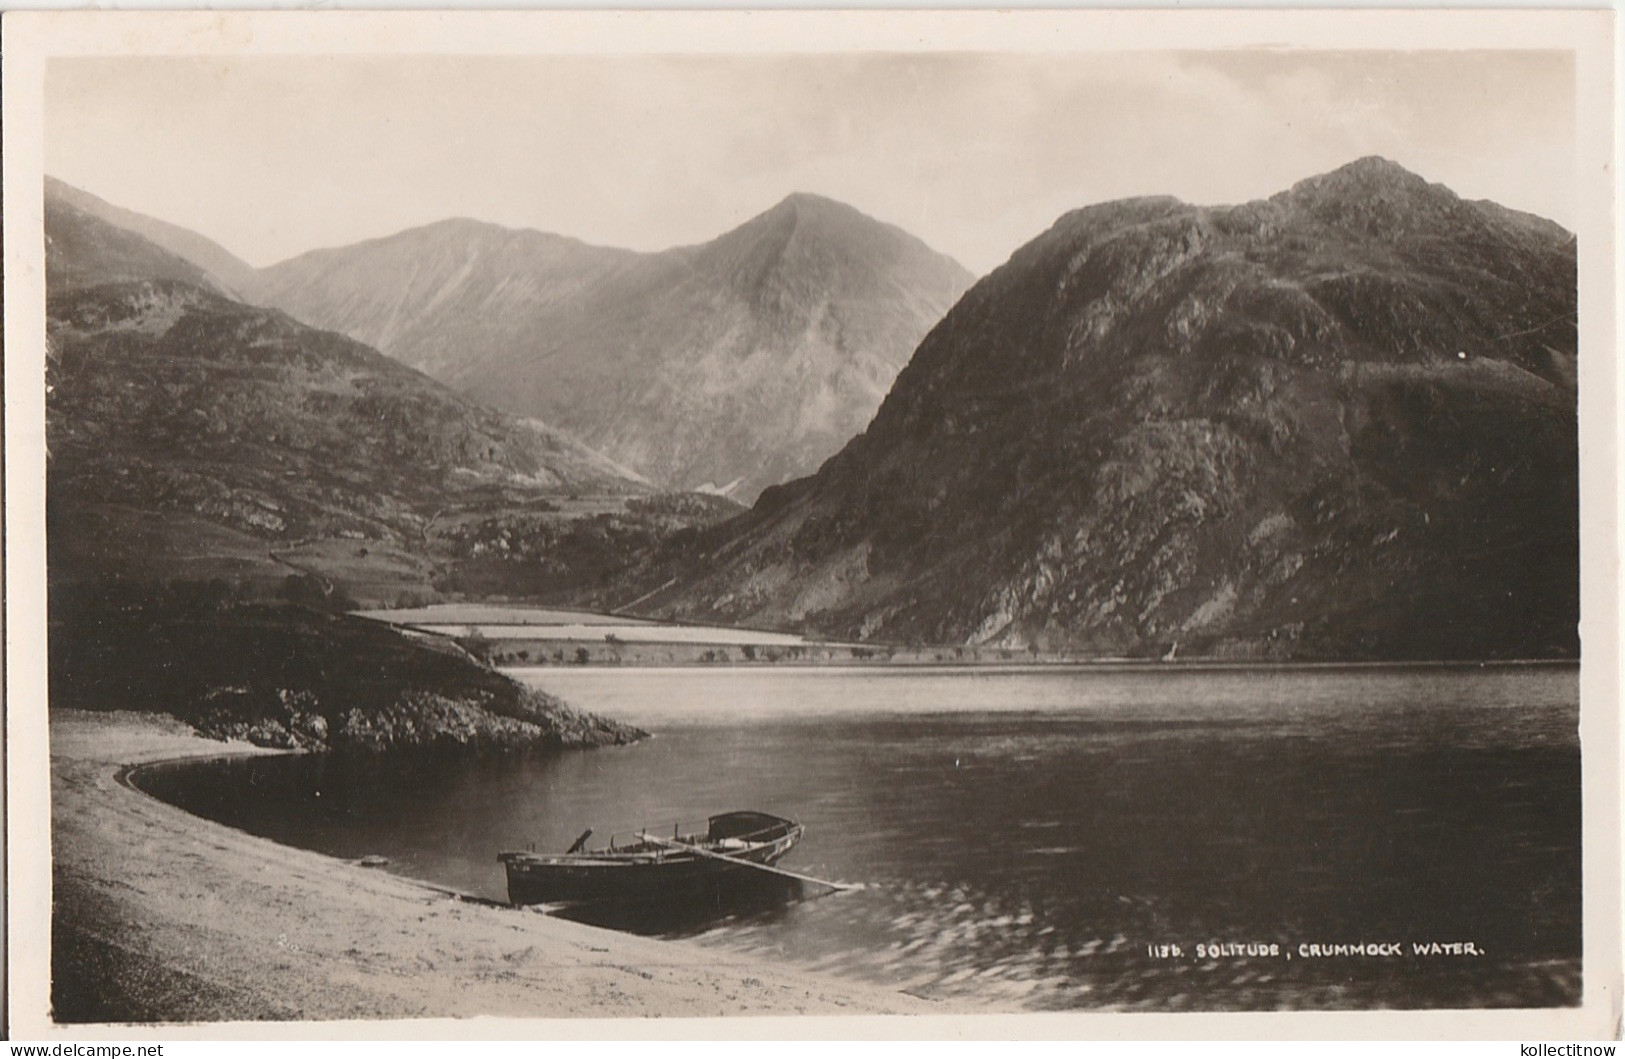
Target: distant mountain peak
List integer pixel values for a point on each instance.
(1372, 175)
(751, 357)
(464, 231)
(839, 219)
(466, 224)
(1376, 166)
(801, 208)
(808, 201)
(1376, 196)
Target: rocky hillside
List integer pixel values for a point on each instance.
(736, 364)
(1337, 423)
(200, 450)
(295, 677)
(168, 397)
(191, 435)
(223, 270)
(82, 250)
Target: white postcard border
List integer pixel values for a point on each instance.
(31, 38)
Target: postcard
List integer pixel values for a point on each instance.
(810, 523)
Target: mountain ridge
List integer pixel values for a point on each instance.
(192, 434)
(1334, 423)
(685, 364)
(82, 250)
(224, 269)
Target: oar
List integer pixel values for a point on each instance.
(750, 863)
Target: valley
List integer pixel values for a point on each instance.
(1336, 425)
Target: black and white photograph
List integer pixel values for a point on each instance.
(893, 516)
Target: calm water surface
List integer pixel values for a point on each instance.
(1023, 835)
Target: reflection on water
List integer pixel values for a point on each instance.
(757, 900)
(1024, 836)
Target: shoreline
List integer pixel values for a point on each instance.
(501, 635)
(162, 916)
(1112, 665)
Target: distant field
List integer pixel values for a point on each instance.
(609, 633)
(475, 621)
(440, 615)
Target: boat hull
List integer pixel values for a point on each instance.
(646, 875)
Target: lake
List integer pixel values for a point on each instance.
(1046, 838)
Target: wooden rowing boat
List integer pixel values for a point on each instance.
(730, 850)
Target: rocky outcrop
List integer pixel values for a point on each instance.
(420, 720)
(296, 678)
(432, 721)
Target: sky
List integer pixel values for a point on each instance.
(974, 153)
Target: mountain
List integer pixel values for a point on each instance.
(310, 432)
(221, 269)
(733, 365)
(193, 435)
(82, 250)
(1336, 423)
(201, 451)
